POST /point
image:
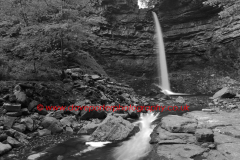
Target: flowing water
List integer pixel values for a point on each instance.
(138, 146)
(164, 83)
(161, 56)
(135, 148)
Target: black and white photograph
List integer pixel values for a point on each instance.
(119, 79)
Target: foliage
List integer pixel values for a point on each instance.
(50, 30)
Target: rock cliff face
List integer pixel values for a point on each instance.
(194, 38)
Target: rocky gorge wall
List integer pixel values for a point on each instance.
(194, 38)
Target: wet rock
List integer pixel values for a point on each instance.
(4, 148)
(230, 150)
(13, 142)
(178, 124)
(12, 107)
(14, 114)
(179, 151)
(28, 123)
(162, 136)
(44, 132)
(33, 105)
(204, 135)
(52, 124)
(112, 128)
(19, 127)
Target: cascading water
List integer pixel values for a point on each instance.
(138, 146)
(164, 83)
(162, 62)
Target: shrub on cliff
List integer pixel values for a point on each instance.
(229, 7)
(37, 36)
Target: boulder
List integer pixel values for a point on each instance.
(19, 127)
(13, 142)
(3, 137)
(133, 113)
(178, 124)
(86, 114)
(69, 121)
(88, 128)
(4, 148)
(52, 124)
(36, 156)
(204, 135)
(8, 121)
(20, 96)
(14, 114)
(10, 132)
(12, 107)
(180, 100)
(21, 137)
(28, 123)
(112, 128)
(33, 105)
(224, 93)
(69, 130)
(25, 111)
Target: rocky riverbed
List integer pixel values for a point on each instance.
(27, 133)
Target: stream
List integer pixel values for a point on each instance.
(76, 149)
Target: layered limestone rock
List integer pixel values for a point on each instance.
(194, 37)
